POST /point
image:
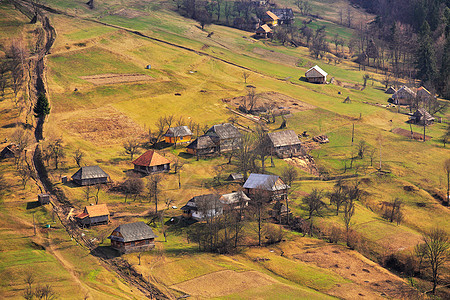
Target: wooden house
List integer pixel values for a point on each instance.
(423, 94)
(226, 136)
(43, 199)
(285, 143)
(422, 117)
(316, 75)
(403, 96)
(270, 187)
(90, 175)
(285, 15)
(178, 135)
(151, 162)
(270, 19)
(234, 200)
(93, 215)
(264, 31)
(8, 152)
(203, 145)
(133, 237)
(202, 207)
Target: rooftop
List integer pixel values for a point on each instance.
(89, 172)
(151, 158)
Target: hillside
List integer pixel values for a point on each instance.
(101, 94)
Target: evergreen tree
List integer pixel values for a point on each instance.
(426, 58)
(42, 107)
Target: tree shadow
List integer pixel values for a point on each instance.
(303, 78)
(185, 155)
(33, 204)
(105, 252)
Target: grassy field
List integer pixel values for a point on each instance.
(98, 118)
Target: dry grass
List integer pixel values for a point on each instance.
(115, 78)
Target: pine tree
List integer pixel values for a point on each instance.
(426, 58)
(42, 107)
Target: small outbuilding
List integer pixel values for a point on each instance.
(285, 143)
(133, 237)
(43, 199)
(316, 75)
(151, 162)
(178, 135)
(93, 215)
(391, 90)
(8, 152)
(90, 175)
(235, 177)
(422, 117)
(203, 145)
(264, 31)
(234, 200)
(270, 187)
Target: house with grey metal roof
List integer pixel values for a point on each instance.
(226, 135)
(90, 175)
(285, 143)
(133, 237)
(234, 200)
(403, 96)
(203, 206)
(270, 187)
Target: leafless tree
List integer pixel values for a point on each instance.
(29, 279)
(17, 53)
(252, 99)
(22, 139)
(4, 77)
(132, 186)
(362, 148)
(25, 174)
(87, 193)
(245, 75)
(420, 250)
(245, 155)
(177, 166)
(339, 195)
(218, 171)
(78, 157)
(447, 173)
(349, 211)
(97, 189)
(154, 188)
(45, 292)
(437, 246)
(289, 175)
(259, 202)
(393, 211)
(56, 150)
(131, 147)
(262, 146)
(314, 203)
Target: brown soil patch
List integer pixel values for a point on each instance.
(129, 13)
(369, 278)
(102, 126)
(407, 133)
(115, 78)
(223, 283)
(281, 101)
(306, 163)
(274, 56)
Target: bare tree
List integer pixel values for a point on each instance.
(78, 157)
(289, 175)
(314, 205)
(447, 173)
(25, 174)
(56, 150)
(17, 53)
(97, 189)
(349, 211)
(339, 195)
(4, 77)
(252, 99)
(362, 148)
(262, 146)
(393, 211)
(87, 193)
(154, 188)
(245, 75)
(437, 246)
(45, 292)
(259, 202)
(177, 166)
(132, 186)
(244, 155)
(131, 147)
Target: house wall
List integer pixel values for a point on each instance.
(288, 151)
(229, 144)
(317, 79)
(91, 181)
(99, 220)
(153, 169)
(135, 246)
(179, 139)
(273, 196)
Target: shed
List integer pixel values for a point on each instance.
(203, 145)
(264, 31)
(285, 143)
(316, 75)
(422, 117)
(423, 93)
(151, 162)
(9, 151)
(235, 177)
(90, 175)
(270, 186)
(179, 134)
(203, 206)
(94, 215)
(227, 135)
(133, 237)
(391, 90)
(44, 199)
(234, 200)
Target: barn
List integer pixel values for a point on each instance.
(133, 237)
(285, 143)
(316, 75)
(151, 162)
(93, 215)
(90, 175)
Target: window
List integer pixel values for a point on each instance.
(132, 244)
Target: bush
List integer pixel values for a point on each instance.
(273, 234)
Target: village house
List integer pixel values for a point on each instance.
(422, 117)
(203, 206)
(226, 136)
(90, 175)
(203, 145)
(285, 143)
(234, 200)
(268, 186)
(133, 237)
(316, 75)
(264, 31)
(403, 96)
(93, 215)
(151, 162)
(270, 19)
(423, 94)
(8, 152)
(285, 15)
(391, 90)
(178, 135)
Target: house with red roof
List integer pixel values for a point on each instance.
(151, 162)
